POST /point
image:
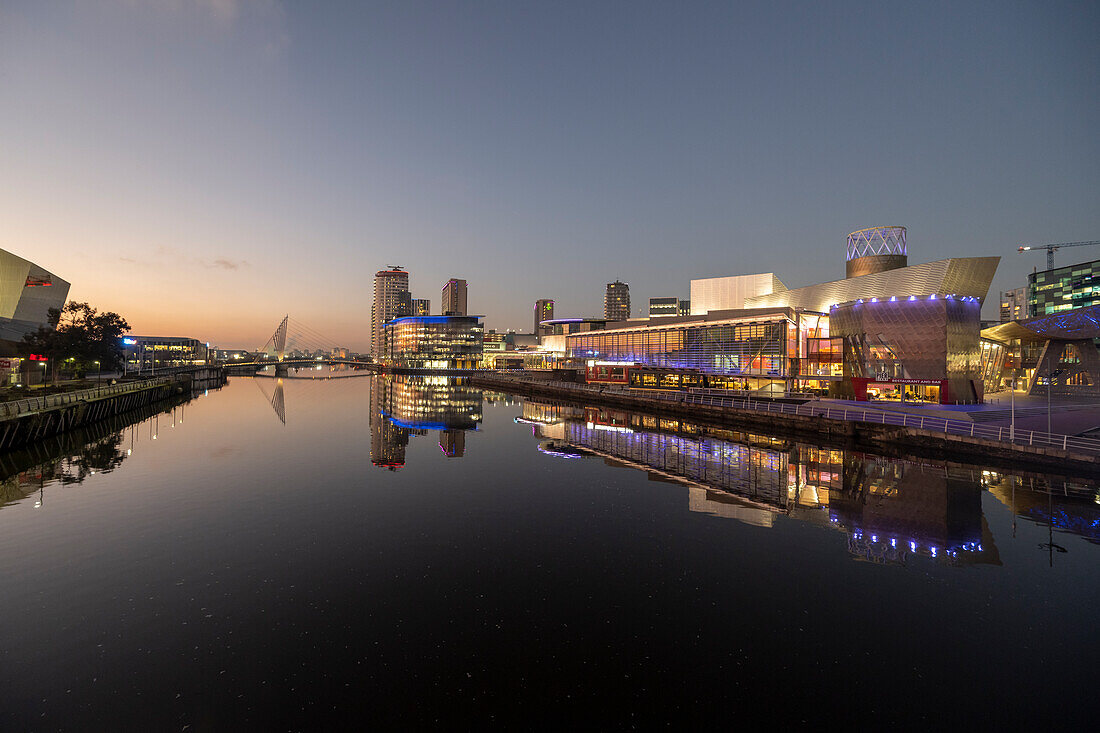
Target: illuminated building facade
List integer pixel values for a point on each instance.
(544, 311)
(921, 349)
(897, 331)
(454, 298)
(1063, 288)
(160, 352)
(391, 299)
(616, 301)
(433, 342)
(1013, 305)
(758, 349)
(1056, 353)
(659, 307)
(27, 293)
(421, 307)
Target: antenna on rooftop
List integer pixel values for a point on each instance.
(395, 267)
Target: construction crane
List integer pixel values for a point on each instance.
(1051, 248)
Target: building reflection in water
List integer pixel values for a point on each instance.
(407, 405)
(889, 509)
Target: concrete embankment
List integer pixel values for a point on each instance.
(27, 421)
(892, 440)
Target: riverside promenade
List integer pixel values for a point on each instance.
(913, 430)
(28, 420)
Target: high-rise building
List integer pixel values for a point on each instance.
(616, 302)
(1063, 288)
(1013, 305)
(664, 307)
(454, 298)
(391, 299)
(544, 311)
(421, 307)
(685, 307)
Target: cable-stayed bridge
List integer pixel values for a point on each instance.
(294, 345)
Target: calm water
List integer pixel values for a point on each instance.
(364, 552)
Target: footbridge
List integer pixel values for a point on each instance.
(293, 345)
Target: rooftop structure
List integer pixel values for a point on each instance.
(958, 276)
(726, 293)
(876, 249)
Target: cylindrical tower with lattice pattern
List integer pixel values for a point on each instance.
(877, 249)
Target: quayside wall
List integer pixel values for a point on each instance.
(28, 421)
(63, 445)
(885, 439)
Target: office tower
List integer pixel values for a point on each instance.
(663, 307)
(544, 311)
(391, 299)
(685, 308)
(1063, 288)
(616, 303)
(421, 307)
(1013, 304)
(454, 298)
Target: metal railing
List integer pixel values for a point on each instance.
(879, 417)
(48, 402)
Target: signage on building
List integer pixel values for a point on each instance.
(9, 363)
(914, 381)
(38, 282)
(39, 357)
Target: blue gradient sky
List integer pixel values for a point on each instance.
(205, 166)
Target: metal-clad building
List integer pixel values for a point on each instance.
(27, 293)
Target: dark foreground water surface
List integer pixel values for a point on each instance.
(414, 553)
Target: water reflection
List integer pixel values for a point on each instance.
(71, 457)
(890, 509)
(407, 405)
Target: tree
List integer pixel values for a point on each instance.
(80, 333)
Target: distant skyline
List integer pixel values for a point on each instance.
(204, 167)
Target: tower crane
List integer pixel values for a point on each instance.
(1051, 248)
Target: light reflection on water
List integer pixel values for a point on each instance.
(406, 550)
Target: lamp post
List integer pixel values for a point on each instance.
(1051, 374)
(98, 373)
(1012, 425)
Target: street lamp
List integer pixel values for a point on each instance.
(1051, 374)
(98, 373)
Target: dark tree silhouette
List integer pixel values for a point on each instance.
(80, 333)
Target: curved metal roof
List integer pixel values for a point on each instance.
(1071, 325)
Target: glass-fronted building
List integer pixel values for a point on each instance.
(757, 348)
(149, 353)
(1063, 288)
(433, 342)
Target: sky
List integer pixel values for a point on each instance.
(205, 167)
